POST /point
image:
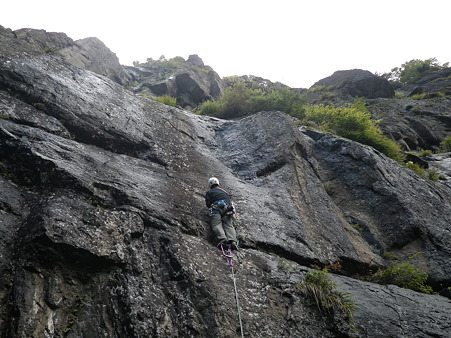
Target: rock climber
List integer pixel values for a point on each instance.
(222, 211)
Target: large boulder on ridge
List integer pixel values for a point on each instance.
(345, 85)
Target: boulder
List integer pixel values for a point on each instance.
(195, 60)
(191, 82)
(348, 84)
(191, 89)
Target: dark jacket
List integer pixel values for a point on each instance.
(216, 194)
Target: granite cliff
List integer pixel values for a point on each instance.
(104, 230)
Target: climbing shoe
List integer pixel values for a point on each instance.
(234, 246)
(223, 243)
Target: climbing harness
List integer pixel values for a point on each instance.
(228, 256)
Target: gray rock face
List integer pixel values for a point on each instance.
(103, 228)
(31, 42)
(414, 124)
(89, 53)
(391, 207)
(389, 319)
(93, 55)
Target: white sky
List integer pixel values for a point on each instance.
(295, 42)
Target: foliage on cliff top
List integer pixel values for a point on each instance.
(243, 98)
(353, 122)
(412, 70)
(169, 66)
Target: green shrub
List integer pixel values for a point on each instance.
(416, 168)
(167, 100)
(445, 145)
(210, 108)
(425, 96)
(317, 89)
(429, 173)
(355, 123)
(424, 153)
(421, 96)
(433, 175)
(284, 265)
(320, 289)
(236, 100)
(320, 89)
(403, 274)
(242, 99)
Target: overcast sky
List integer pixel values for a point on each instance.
(295, 42)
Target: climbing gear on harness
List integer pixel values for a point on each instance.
(221, 207)
(213, 181)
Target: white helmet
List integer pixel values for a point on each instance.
(213, 181)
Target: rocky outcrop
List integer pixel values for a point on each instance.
(350, 84)
(30, 42)
(436, 83)
(421, 119)
(414, 124)
(40, 40)
(104, 231)
(190, 81)
(90, 53)
(93, 55)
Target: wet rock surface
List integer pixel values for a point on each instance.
(104, 230)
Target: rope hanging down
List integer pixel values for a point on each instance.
(228, 255)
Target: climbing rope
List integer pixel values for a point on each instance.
(228, 255)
